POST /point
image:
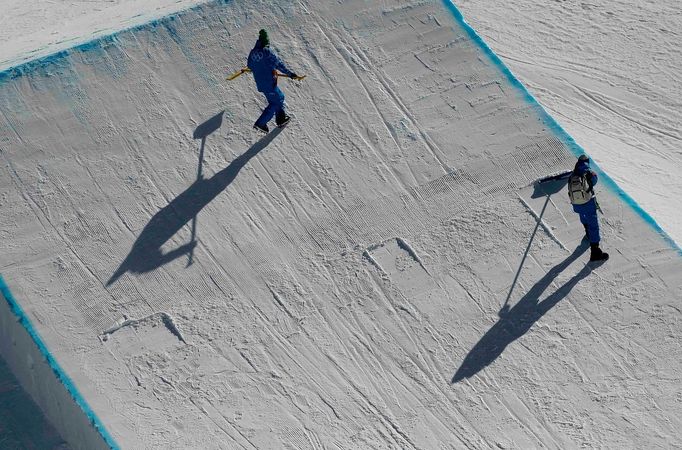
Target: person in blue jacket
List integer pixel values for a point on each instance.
(581, 192)
(265, 64)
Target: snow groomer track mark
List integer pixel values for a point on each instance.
(435, 202)
(408, 146)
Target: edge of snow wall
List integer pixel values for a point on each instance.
(29, 358)
(30, 64)
(558, 130)
(45, 381)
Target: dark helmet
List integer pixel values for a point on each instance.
(582, 163)
(263, 38)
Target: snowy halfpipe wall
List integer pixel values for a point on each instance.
(368, 276)
(42, 377)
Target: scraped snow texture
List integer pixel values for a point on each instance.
(609, 72)
(338, 283)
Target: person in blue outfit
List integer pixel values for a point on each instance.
(581, 192)
(265, 64)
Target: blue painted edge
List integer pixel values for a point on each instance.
(553, 125)
(31, 65)
(56, 368)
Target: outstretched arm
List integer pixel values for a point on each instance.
(279, 65)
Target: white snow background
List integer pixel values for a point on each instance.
(372, 276)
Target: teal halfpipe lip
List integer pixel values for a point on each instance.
(553, 125)
(54, 365)
(46, 61)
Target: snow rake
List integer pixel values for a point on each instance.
(244, 70)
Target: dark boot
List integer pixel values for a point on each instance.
(596, 254)
(263, 128)
(282, 119)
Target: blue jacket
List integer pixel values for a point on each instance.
(581, 168)
(263, 63)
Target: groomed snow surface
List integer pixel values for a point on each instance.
(607, 71)
(371, 276)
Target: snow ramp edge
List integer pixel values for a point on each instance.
(557, 129)
(44, 379)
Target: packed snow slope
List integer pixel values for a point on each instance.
(370, 276)
(609, 71)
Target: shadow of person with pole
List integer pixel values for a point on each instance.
(146, 254)
(201, 132)
(515, 322)
(543, 187)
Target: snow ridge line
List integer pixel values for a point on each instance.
(403, 244)
(166, 319)
(43, 62)
(553, 125)
(56, 368)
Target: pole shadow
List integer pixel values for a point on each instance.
(544, 188)
(146, 254)
(515, 322)
(201, 132)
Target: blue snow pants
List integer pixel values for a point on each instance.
(588, 217)
(275, 106)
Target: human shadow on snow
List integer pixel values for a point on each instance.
(146, 254)
(515, 322)
(545, 189)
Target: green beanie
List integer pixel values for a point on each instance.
(263, 38)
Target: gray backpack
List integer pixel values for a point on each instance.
(579, 190)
